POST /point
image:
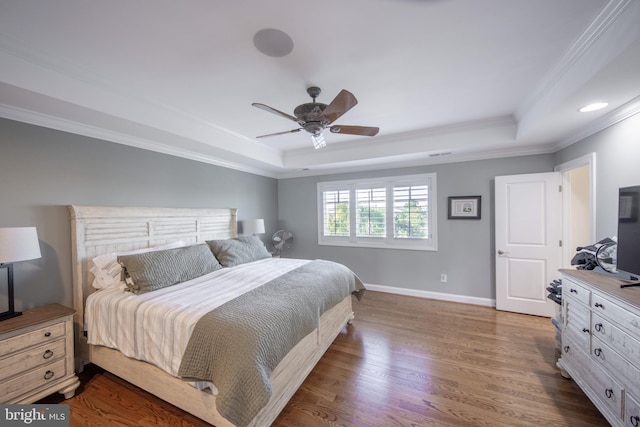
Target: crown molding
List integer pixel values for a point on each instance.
(606, 19)
(621, 113)
(57, 123)
(77, 74)
(428, 160)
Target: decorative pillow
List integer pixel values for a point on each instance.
(107, 271)
(149, 271)
(240, 250)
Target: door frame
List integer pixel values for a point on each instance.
(564, 168)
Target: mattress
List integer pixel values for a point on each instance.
(156, 326)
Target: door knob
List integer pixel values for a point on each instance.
(501, 252)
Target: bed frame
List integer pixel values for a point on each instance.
(98, 230)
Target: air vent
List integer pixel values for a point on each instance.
(446, 153)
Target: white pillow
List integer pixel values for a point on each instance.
(106, 270)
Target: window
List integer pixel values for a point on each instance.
(394, 212)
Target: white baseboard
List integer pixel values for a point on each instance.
(432, 295)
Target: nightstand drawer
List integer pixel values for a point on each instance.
(30, 358)
(42, 335)
(32, 380)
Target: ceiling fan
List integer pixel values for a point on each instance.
(314, 117)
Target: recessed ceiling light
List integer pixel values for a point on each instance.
(593, 107)
(273, 42)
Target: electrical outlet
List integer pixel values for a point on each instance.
(443, 278)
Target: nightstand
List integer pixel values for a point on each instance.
(36, 355)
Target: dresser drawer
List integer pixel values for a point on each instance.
(605, 388)
(574, 358)
(578, 323)
(30, 358)
(574, 290)
(631, 411)
(32, 380)
(615, 337)
(623, 318)
(38, 336)
(615, 364)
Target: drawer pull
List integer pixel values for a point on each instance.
(47, 334)
(585, 330)
(598, 305)
(573, 291)
(634, 420)
(597, 351)
(609, 393)
(599, 327)
(566, 349)
(48, 375)
(47, 354)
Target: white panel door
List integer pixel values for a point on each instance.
(528, 211)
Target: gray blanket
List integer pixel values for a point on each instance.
(237, 345)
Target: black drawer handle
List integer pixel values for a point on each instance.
(585, 329)
(598, 305)
(48, 375)
(599, 327)
(609, 393)
(573, 291)
(597, 351)
(566, 349)
(634, 420)
(47, 354)
(47, 334)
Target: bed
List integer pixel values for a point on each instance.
(99, 230)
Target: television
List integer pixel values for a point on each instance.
(628, 248)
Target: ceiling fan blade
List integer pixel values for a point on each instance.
(340, 105)
(279, 133)
(274, 111)
(355, 130)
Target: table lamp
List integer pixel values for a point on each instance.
(253, 226)
(16, 244)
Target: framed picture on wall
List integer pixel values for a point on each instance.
(464, 207)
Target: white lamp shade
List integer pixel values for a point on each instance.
(253, 226)
(18, 244)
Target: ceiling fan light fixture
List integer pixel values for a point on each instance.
(318, 141)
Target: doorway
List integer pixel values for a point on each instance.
(578, 206)
(540, 221)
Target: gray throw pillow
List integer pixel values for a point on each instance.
(240, 250)
(155, 270)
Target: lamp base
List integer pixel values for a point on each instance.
(9, 315)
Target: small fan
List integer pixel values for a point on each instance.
(314, 117)
(281, 241)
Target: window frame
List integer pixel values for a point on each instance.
(389, 241)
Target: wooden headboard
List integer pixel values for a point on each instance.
(97, 230)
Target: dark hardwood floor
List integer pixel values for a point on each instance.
(404, 362)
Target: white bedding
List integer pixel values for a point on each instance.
(156, 326)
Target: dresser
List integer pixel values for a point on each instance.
(36, 355)
(601, 343)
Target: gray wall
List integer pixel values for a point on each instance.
(465, 247)
(43, 170)
(617, 151)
